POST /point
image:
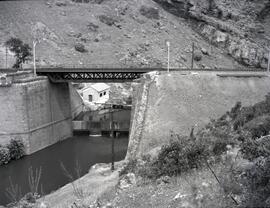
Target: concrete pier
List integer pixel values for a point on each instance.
(37, 111)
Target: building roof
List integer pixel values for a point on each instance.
(99, 87)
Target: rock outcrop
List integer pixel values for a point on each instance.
(230, 25)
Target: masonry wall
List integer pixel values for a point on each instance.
(164, 104)
(13, 117)
(76, 102)
(37, 111)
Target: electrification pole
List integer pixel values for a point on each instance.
(192, 57)
(168, 56)
(112, 137)
(34, 57)
(268, 66)
(6, 57)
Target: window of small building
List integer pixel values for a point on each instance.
(90, 98)
(100, 95)
(104, 93)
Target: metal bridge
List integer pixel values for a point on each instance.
(106, 74)
(94, 74)
(113, 74)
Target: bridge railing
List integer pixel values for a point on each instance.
(116, 68)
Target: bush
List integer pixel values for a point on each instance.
(257, 184)
(21, 50)
(80, 47)
(16, 149)
(197, 56)
(30, 198)
(255, 148)
(4, 155)
(174, 158)
(242, 115)
(259, 126)
(130, 167)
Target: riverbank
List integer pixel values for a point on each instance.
(76, 155)
(86, 190)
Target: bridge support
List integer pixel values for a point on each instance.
(38, 112)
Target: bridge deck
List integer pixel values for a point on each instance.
(101, 69)
(94, 74)
(103, 74)
(113, 74)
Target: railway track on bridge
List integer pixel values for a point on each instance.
(114, 74)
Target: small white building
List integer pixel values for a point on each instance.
(96, 93)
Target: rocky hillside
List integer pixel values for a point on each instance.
(133, 32)
(240, 27)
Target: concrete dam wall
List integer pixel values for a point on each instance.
(174, 103)
(37, 111)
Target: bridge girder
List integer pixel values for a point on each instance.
(94, 74)
(113, 74)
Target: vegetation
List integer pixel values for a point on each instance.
(15, 195)
(22, 51)
(34, 179)
(77, 191)
(16, 149)
(257, 184)
(12, 151)
(245, 130)
(4, 155)
(14, 192)
(80, 47)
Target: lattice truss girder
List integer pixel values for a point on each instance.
(62, 76)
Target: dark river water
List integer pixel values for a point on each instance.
(82, 150)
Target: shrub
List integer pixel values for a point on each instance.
(80, 47)
(257, 184)
(197, 56)
(22, 51)
(254, 148)
(174, 158)
(16, 149)
(242, 115)
(30, 198)
(4, 155)
(259, 126)
(130, 167)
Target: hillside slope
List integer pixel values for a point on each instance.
(240, 27)
(114, 33)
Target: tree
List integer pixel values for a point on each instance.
(22, 51)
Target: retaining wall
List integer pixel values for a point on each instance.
(38, 111)
(174, 103)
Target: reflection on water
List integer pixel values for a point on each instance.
(84, 150)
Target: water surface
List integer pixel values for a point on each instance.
(83, 150)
